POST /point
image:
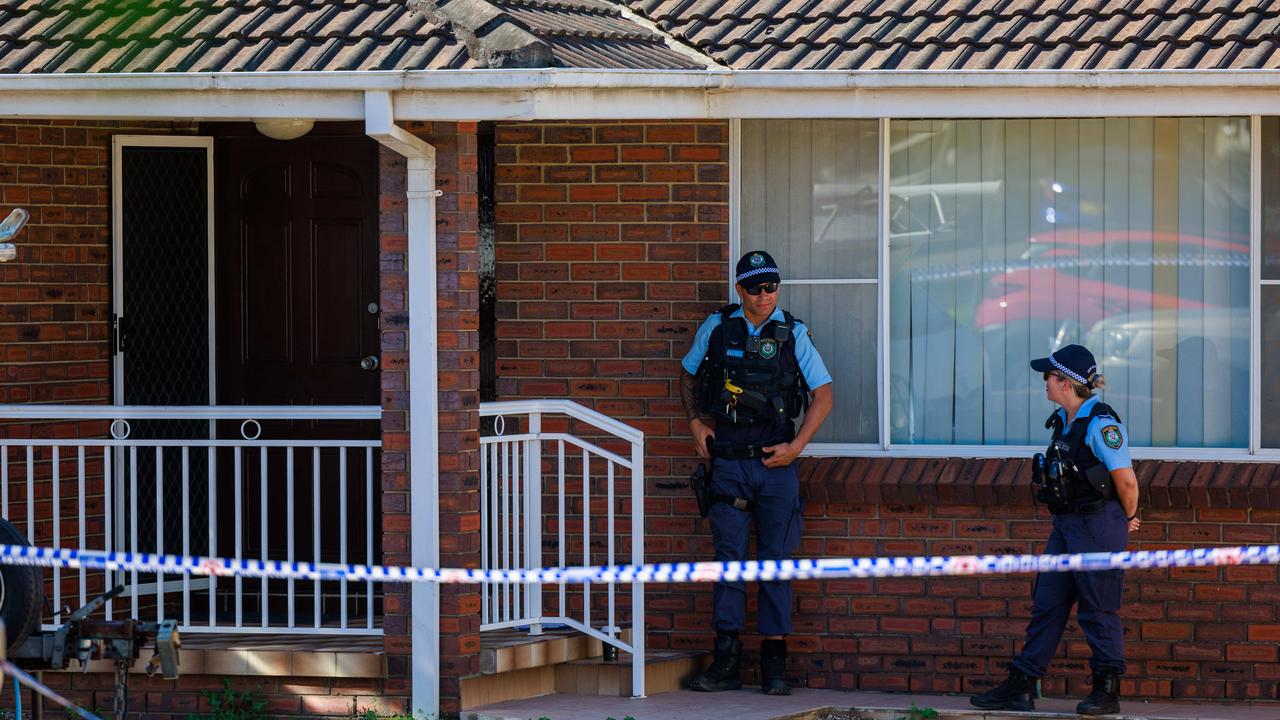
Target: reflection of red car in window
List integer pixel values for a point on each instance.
(1097, 275)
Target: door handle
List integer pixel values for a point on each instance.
(369, 363)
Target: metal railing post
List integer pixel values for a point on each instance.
(637, 558)
(533, 520)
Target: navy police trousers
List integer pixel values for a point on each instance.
(1097, 593)
(775, 497)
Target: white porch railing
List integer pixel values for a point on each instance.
(542, 495)
(221, 481)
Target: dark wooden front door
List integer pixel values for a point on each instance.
(296, 271)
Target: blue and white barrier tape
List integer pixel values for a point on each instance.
(820, 569)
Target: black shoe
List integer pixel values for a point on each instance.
(1015, 693)
(773, 668)
(723, 673)
(1105, 698)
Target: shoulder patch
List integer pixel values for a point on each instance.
(1112, 436)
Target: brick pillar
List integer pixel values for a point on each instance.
(458, 400)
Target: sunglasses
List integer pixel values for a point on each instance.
(770, 288)
(1053, 375)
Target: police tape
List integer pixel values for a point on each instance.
(26, 679)
(750, 570)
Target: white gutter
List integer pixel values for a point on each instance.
(424, 426)
(553, 94)
(586, 79)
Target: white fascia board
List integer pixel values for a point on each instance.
(183, 104)
(642, 94)
(535, 79)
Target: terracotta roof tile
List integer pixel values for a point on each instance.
(974, 34)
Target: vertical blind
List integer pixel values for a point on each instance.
(1010, 238)
(810, 197)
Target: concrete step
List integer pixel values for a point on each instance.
(517, 666)
(502, 651)
(664, 671)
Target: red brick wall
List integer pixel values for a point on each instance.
(1189, 633)
(458, 301)
(55, 298)
(160, 699)
(55, 304)
(612, 246)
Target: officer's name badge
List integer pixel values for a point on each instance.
(1112, 437)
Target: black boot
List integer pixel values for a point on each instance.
(773, 668)
(1015, 693)
(723, 673)
(1105, 698)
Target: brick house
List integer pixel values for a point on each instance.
(950, 190)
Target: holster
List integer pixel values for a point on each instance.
(700, 481)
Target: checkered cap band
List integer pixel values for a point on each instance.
(1063, 369)
(757, 271)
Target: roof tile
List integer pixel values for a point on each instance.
(58, 36)
(974, 34)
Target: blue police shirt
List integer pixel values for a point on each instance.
(811, 366)
(1106, 437)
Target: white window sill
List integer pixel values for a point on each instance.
(1026, 451)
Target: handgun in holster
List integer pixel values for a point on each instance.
(734, 397)
(701, 484)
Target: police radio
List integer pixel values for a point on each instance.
(1051, 479)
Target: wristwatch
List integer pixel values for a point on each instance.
(1133, 516)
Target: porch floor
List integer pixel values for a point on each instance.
(806, 704)
(295, 655)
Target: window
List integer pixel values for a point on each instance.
(810, 197)
(1007, 239)
(1270, 280)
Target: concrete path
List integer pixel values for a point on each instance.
(749, 704)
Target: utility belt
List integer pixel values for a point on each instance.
(738, 451)
(1065, 488)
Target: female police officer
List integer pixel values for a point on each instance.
(750, 368)
(1087, 480)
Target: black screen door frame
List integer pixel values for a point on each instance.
(118, 239)
(120, 275)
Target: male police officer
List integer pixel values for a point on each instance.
(750, 371)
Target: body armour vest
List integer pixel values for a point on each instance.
(1087, 482)
(752, 385)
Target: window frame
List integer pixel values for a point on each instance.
(1253, 452)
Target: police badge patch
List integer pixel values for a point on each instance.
(1112, 437)
(756, 260)
(768, 349)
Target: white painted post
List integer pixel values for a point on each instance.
(424, 428)
(533, 519)
(637, 558)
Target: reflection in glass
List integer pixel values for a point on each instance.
(843, 323)
(1014, 237)
(810, 196)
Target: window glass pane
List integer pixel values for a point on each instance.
(1270, 146)
(810, 197)
(1010, 238)
(1270, 366)
(842, 320)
